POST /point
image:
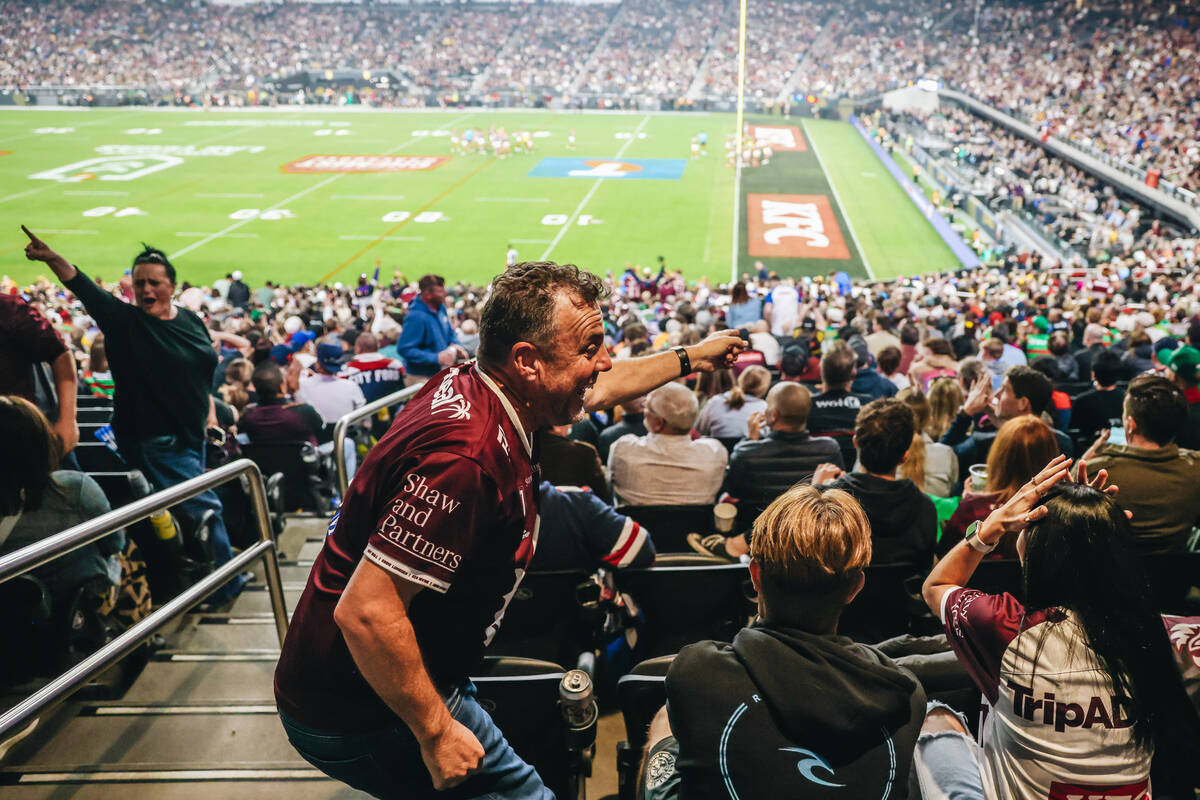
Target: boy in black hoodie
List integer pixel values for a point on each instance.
(790, 709)
(903, 519)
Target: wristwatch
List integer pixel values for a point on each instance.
(977, 544)
(685, 363)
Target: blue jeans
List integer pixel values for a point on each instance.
(947, 763)
(387, 764)
(167, 461)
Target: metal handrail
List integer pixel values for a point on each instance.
(46, 550)
(343, 423)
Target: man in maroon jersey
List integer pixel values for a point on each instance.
(432, 539)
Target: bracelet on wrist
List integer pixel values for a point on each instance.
(685, 363)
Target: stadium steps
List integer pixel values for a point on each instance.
(479, 85)
(198, 723)
(793, 82)
(1029, 238)
(589, 66)
(696, 88)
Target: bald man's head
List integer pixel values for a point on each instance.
(366, 343)
(788, 405)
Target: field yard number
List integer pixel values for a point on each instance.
(53, 130)
(561, 219)
(144, 131)
(104, 211)
(424, 216)
(628, 135)
(271, 214)
(331, 132)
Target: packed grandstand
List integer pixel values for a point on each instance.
(897, 443)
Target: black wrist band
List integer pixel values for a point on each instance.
(685, 363)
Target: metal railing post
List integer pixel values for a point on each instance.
(35, 555)
(343, 424)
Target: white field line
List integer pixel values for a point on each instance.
(28, 192)
(52, 184)
(587, 197)
(242, 222)
(845, 214)
(296, 196)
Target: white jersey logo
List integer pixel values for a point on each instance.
(446, 399)
(503, 440)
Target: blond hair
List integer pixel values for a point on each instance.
(811, 541)
(753, 381)
(913, 465)
(945, 399)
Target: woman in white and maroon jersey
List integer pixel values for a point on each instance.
(1080, 688)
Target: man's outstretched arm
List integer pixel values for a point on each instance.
(373, 617)
(634, 377)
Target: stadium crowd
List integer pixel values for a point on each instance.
(1113, 77)
(924, 409)
(1068, 203)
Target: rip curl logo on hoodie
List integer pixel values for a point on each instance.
(446, 399)
(809, 763)
(811, 766)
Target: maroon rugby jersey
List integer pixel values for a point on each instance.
(447, 500)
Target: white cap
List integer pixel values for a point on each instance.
(292, 324)
(237, 274)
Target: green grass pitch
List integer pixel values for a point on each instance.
(235, 208)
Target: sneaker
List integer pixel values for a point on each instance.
(711, 545)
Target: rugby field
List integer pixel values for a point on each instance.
(308, 194)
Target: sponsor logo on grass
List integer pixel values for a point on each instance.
(5, 152)
(109, 168)
(793, 226)
(780, 138)
(176, 149)
(660, 169)
(364, 163)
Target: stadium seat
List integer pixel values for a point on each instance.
(1175, 581)
(522, 696)
(96, 456)
(889, 604)
(670, 525)
(26, 627)
(545, 618)
(729, 442)
(300, 464)
(998, 575)
(845, 441)
(688, 598)
(95, 414)
(640, 695)
(92, 401)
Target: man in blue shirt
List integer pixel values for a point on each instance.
(427, 342)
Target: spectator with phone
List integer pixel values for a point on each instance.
(1158, 479)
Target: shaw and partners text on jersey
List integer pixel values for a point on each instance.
(415, 543)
